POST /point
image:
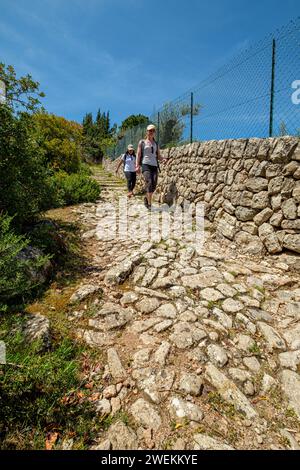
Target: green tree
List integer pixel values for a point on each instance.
(25, 179)
(172, 124)
(133, 121)
(61, 141)
(22, 94)
(88, 125)
(97, 135)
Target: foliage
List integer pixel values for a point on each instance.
(60, 140)
(75, 188)
(133, 121)
(97, 135)
(21, 93)
(15, 277)
(41, 394)
(283, 129)
(25, 185)
(171, 123)
(45, 235)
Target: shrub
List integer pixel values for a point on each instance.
(75, 188)
(46, 236)
(16, 269)
(40, 393)
(60, 141)
(25, 184)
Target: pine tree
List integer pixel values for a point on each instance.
(88, 124)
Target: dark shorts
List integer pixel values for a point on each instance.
(131, 180)
(150, 174)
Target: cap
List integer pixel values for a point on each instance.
(151, 127)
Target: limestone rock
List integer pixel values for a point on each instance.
(191, 384)
(182, 410)
(122, 437)
(290, 360)
(147, 305)
(211, 294)
(229, 391)
(274, 341)
(217, 355)
(256, 185)
(289, 209)
(37, 328)
(83, 292)
(291, 387)
(115, 366)
(232, 306)
(162, 352)
(263, 216)
(269, 238)
(292, 242)
(204, 442)
(186, 335)
(207, 279)
(145, 414)
(103, 407)
(244, 213)
(292, 336)
(167, 311)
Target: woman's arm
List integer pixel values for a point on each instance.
(139, 156)
(160, 158)
(119, 164)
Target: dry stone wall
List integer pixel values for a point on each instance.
(250, 189)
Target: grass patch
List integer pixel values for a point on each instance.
(255, 350)
(214, 303)
(233, 273)
(109, 420)
(260, 289)
(43, 392)
(220, 405)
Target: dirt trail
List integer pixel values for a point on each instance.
(201, 350)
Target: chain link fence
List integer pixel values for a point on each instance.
(256, 94)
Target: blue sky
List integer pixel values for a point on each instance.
(128, 56)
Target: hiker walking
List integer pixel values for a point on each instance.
(148, 157)
(129, 166)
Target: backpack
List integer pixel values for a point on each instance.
(125, 156)
(143, 147)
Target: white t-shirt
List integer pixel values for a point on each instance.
(130, 162)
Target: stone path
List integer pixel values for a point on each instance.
(200, 350)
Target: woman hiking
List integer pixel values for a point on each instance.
(148, 156)
(129, 163)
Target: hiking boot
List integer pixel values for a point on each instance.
(146, 203)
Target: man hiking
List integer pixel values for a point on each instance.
(129, 166)
(148, 157)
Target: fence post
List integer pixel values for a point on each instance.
(158, 125)
(271, 118)
(192, 116)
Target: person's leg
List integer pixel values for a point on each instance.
(147, 178)
(128, 178)
(133, 181)
(152, 188)
(132, 174)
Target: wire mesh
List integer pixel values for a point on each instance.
(235, 101)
